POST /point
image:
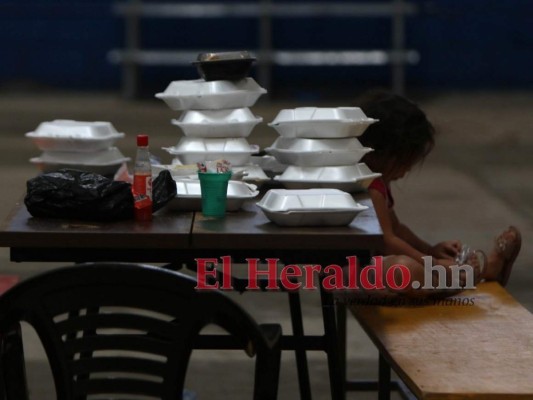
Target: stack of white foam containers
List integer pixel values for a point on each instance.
(321, 149)
(216, 119)
(82, 145)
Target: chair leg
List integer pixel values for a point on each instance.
(336, 379)
(268, 362)
(301, 357)
(384, 383)
(341, 335)
(295, 306)
(12, 366)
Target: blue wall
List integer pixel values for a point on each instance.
(475, 44)
(463, 44)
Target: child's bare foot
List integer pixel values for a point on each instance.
(503, 255)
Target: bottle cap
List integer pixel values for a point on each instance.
(142, 140)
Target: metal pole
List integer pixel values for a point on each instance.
(398, 47)
(265, 45)
(130, 69)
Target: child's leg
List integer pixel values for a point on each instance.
(441, 281)
(369, 285)
(416, 271)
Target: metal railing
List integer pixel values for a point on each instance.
(133, 56)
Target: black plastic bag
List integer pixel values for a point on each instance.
(83, 195)
(163, 190)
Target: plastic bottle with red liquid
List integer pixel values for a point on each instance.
(142, 181)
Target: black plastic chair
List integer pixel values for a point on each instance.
(84, 314)
(295, 306)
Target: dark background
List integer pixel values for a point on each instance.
(463, 44)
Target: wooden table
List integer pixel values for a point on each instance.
(248, 233)
(176, 235)
(44, 239)
(180, 237)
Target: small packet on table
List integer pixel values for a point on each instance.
(216, 166)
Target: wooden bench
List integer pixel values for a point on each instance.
(480, 350)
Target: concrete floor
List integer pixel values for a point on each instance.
(474, 184)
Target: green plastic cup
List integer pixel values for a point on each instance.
(214, 188)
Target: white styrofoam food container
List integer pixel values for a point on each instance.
(177, 170)
(103, 162)
(189, 197)
(192, 150)
(269, 164)
(217, 123)
(213, 95)
(321, 122)
(70, 135)
(350, 178)
(247, 173)
(317, 152)
(310, 207)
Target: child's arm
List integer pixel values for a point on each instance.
(400, 239)
(447, 250)
(394, 244)
(404, 232)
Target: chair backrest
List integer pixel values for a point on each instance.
(120, 329)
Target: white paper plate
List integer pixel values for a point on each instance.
(69, 135)
(350, 178)
(321, 122)
(311, 207)
(189, 196)
(214, 95)
(217, 123)
(317, 152)
(192, 150)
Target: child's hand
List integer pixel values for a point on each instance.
(447, 250)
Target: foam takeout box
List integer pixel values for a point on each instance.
(189, 196)
(75, 136)
(192, 150)
(237, 122)
(310, 207)
(317, 152)
(321, 122)
(102, 162)
(214, 95)
(350, 178)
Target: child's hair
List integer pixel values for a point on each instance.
(402, 137)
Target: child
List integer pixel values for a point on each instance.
(401, 139)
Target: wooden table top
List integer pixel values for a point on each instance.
(167, 230)
(187, 232)
(250, 229)
(476, 345)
